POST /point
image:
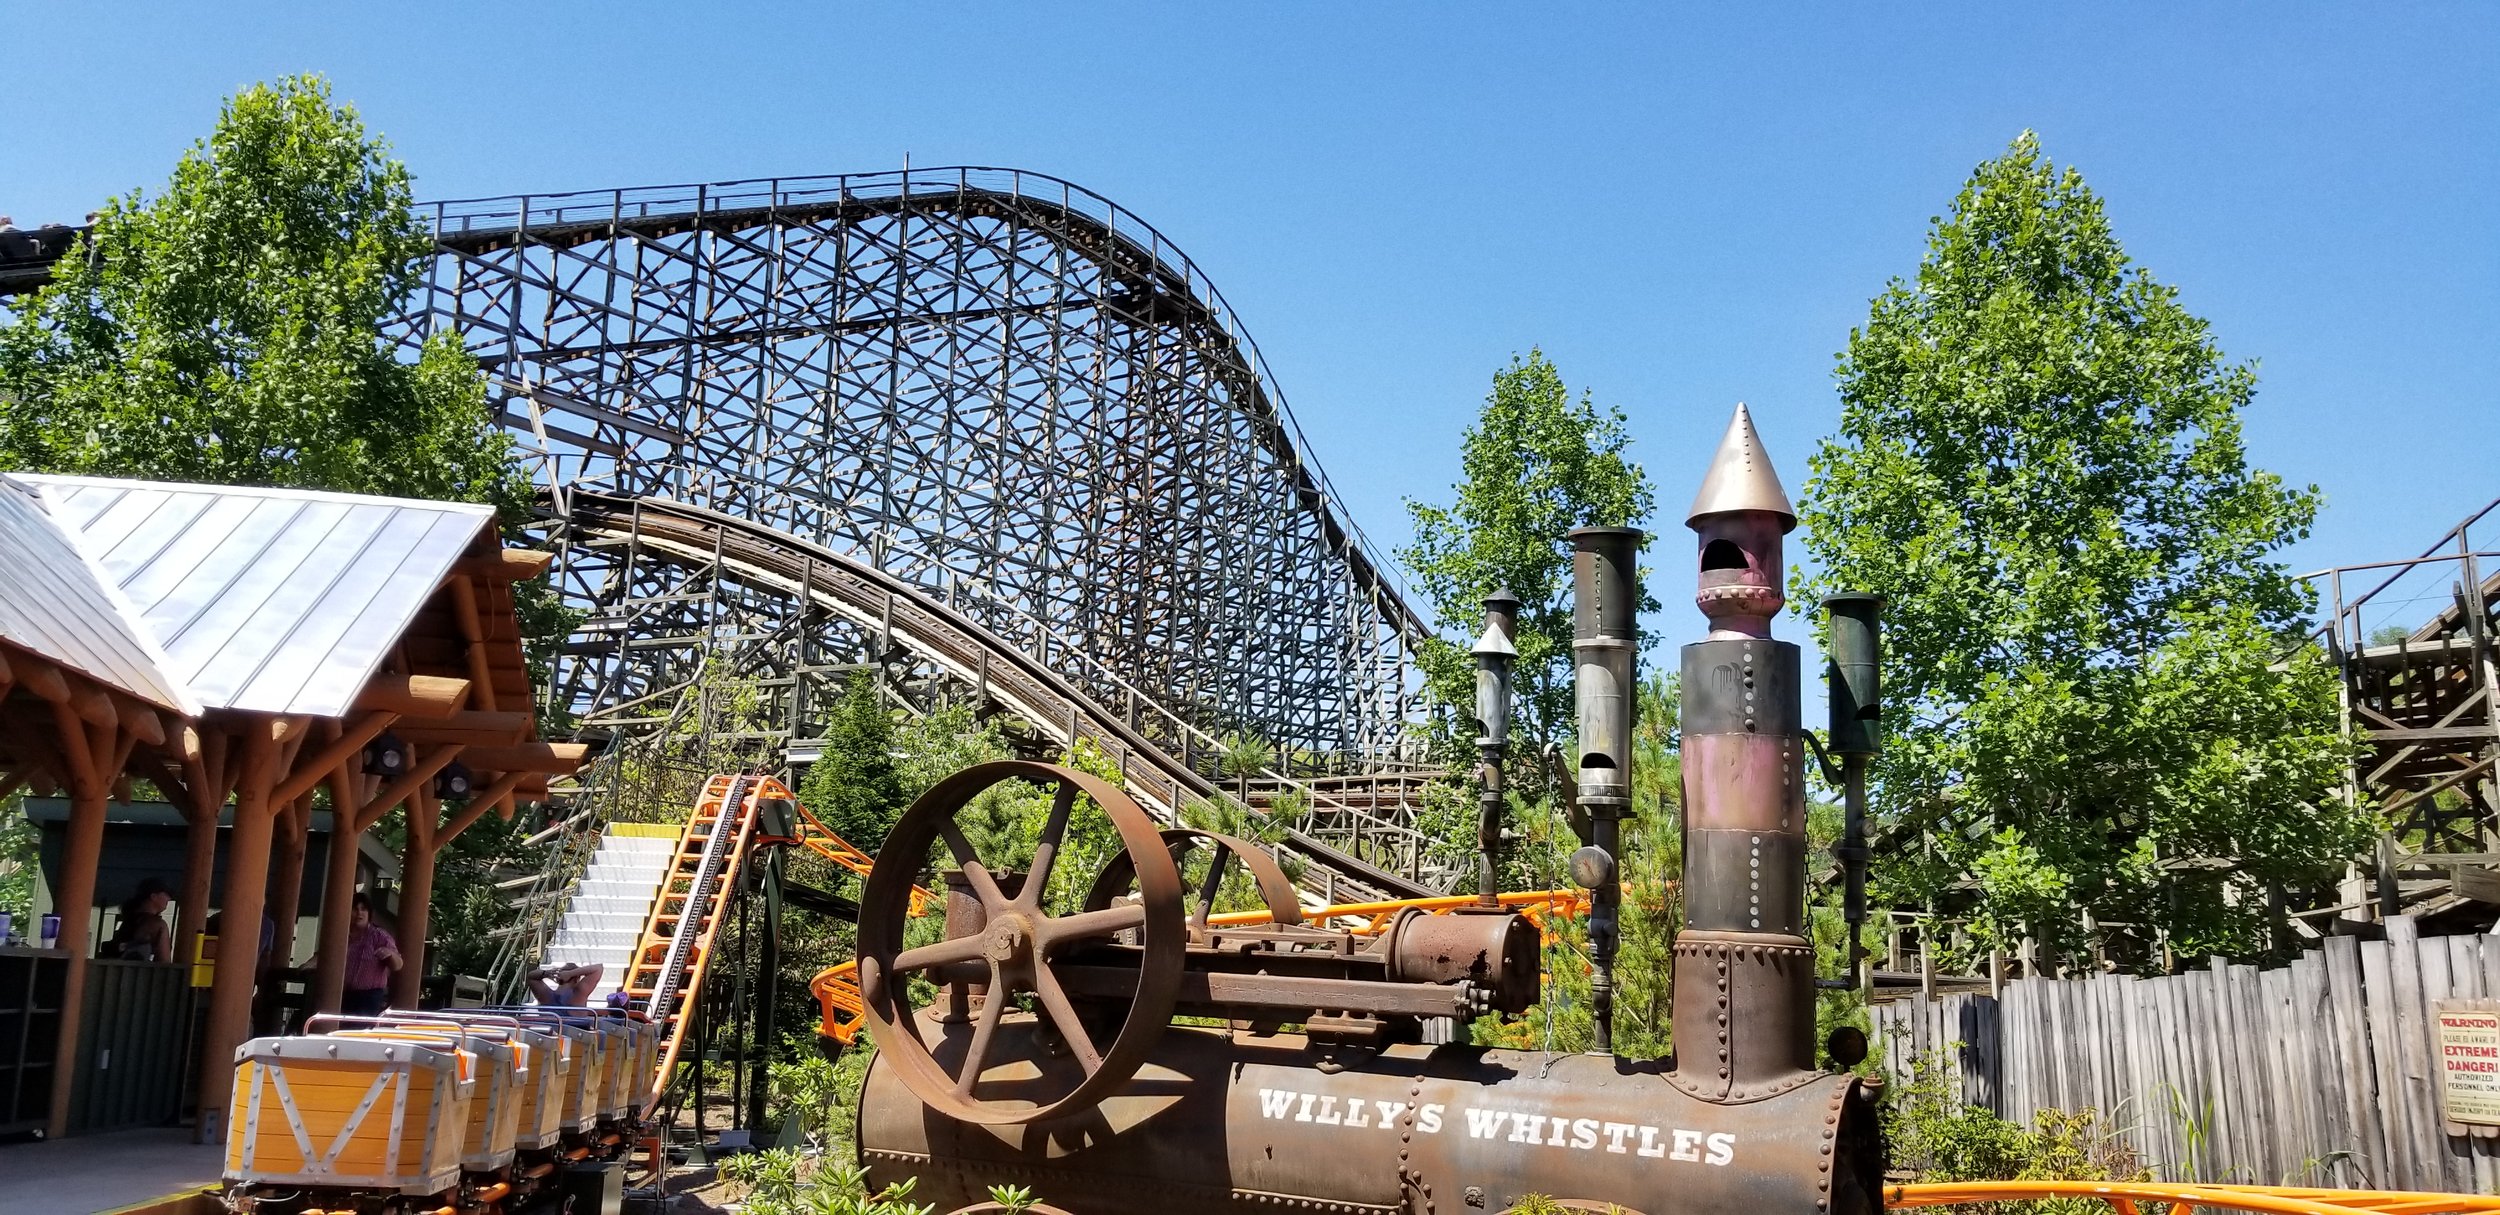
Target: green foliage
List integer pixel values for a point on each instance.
(854, 786)
(229, 330)
(467, 906)
(1245, 755)
(18, 864)
(2040, 465)
(1652, 911)
(1935, 1136)
(811, 1087)
(1534, 466)
(784, 1182)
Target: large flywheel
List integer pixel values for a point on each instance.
(995, 971)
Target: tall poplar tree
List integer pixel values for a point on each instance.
(1534, 466)
(2088, 700)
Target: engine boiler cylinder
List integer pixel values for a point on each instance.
(1220, 1122)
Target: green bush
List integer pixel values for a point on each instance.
(784, 1182)
(1935, 1136)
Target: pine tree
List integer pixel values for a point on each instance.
(854, 786)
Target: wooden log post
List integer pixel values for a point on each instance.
(206, 779)
(286, 893)
(238, 948)
(86, 750)
(199, 866)
(416, 897)
(338, 891)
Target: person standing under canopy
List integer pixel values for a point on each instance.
(372, 955)
(141, 935)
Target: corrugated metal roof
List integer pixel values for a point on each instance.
(53, 603)
(272, 600)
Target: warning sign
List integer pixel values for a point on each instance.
(2469, 1061)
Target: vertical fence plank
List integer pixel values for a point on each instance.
(2143, 1114)
(2387, 1067)
(2315, 1072)
(2410, 1043)
(2356, 1061)
(2456, 1163)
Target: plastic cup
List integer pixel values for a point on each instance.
(51, 932)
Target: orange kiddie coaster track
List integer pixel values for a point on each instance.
(2135, 1198)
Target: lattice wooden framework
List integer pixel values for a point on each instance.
(992, 384)
(2420, 703)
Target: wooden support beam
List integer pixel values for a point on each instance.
(426, 696)
(352, 739)
(528, 757)
(473, 630)
(94, 705)
(238, 950)
(504, 565)
(486, 799)
(90, 752)
(43, 679)
(416, 897)
(416, 779)
(338, 892)
(141, 720)
(471, 726)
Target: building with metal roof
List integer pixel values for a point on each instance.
(271, 600)
(242, 649)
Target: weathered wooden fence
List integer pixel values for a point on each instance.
(2324, 1072)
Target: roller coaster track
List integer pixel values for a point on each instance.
(994, 385)
(939, 633)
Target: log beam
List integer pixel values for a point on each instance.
(555, 758)
(352, 739)
(504, 565)
(426, 696)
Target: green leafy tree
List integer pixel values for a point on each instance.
(854, 785)
(2040, 465)
(229, 330)
(1534, 466)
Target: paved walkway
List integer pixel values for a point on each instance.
(94, 1173)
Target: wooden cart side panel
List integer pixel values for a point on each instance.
(347, 1120)
(537, 1116)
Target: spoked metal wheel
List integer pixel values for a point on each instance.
(1014, 953)
(1225, 854)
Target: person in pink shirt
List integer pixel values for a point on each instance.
(372, 955)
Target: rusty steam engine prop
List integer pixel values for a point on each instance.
(1036, 1042)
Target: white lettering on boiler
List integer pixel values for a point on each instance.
(1579, 1134)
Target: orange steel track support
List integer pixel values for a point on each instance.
(673, 959)
(2133, 1198)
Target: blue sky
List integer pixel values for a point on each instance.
(1685, 208)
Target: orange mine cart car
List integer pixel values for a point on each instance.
(333, 1113)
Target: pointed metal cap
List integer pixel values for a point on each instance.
(1501, 613)
(1741, 477)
